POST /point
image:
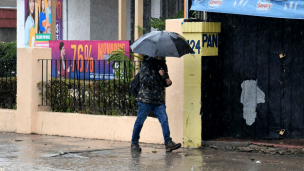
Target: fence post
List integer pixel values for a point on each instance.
(28, 98)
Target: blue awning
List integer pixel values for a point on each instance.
(293, 9)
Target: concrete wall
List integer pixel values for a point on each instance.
(65, 19)
(79, 19)
(174, 94)
(91, 126)
(8, 34)
(98, 20)
(29, 74)
(30, 118)
(8, 3)
(104, 20)
(8, 120)
(20, 23)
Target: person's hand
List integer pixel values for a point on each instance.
(161, 72)
(69, 68)
(168, 81)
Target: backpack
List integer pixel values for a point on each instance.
(135, 85)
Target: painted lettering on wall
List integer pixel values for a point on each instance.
(195, 45)
(210, 40)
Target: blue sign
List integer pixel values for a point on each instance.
(293, 9)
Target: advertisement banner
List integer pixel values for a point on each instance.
(38, 22)
(293, 9)
(84, 59)
(59, 19)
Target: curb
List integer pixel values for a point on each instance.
(255, 147)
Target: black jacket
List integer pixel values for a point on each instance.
(152, 83)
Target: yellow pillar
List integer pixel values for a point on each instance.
(203, 38)
(122, 20)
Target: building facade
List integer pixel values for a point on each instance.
(8, 20)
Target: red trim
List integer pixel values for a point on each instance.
(8, 23)
(8, 18)
(8, 13)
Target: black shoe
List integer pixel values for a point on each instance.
(135, 147)
(172, 146)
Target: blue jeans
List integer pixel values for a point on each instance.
(143, 111)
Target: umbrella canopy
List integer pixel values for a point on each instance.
(161, 44)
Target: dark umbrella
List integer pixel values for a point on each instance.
(161, 44)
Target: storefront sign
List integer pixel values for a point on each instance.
(265, 8)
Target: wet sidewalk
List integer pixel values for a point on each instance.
(55, 153)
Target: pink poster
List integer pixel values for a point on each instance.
(84, 59)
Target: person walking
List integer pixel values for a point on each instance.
(151, 97)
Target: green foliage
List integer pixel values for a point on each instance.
(8, 93)
(195, 13)
(8, 56)
(179, 14)
(157, 23)
(141, 29)
(124, 67)
(122, 64)
(8, 80)
(8, 50)
(109, 97)
(160, 23)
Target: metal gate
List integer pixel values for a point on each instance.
(255, 87)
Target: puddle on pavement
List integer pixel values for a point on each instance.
(4, 159)
(35, 157)
(74, 156)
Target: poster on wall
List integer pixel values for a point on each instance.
(37, 26)
(85, 59)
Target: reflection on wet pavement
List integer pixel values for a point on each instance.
(54, 153)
